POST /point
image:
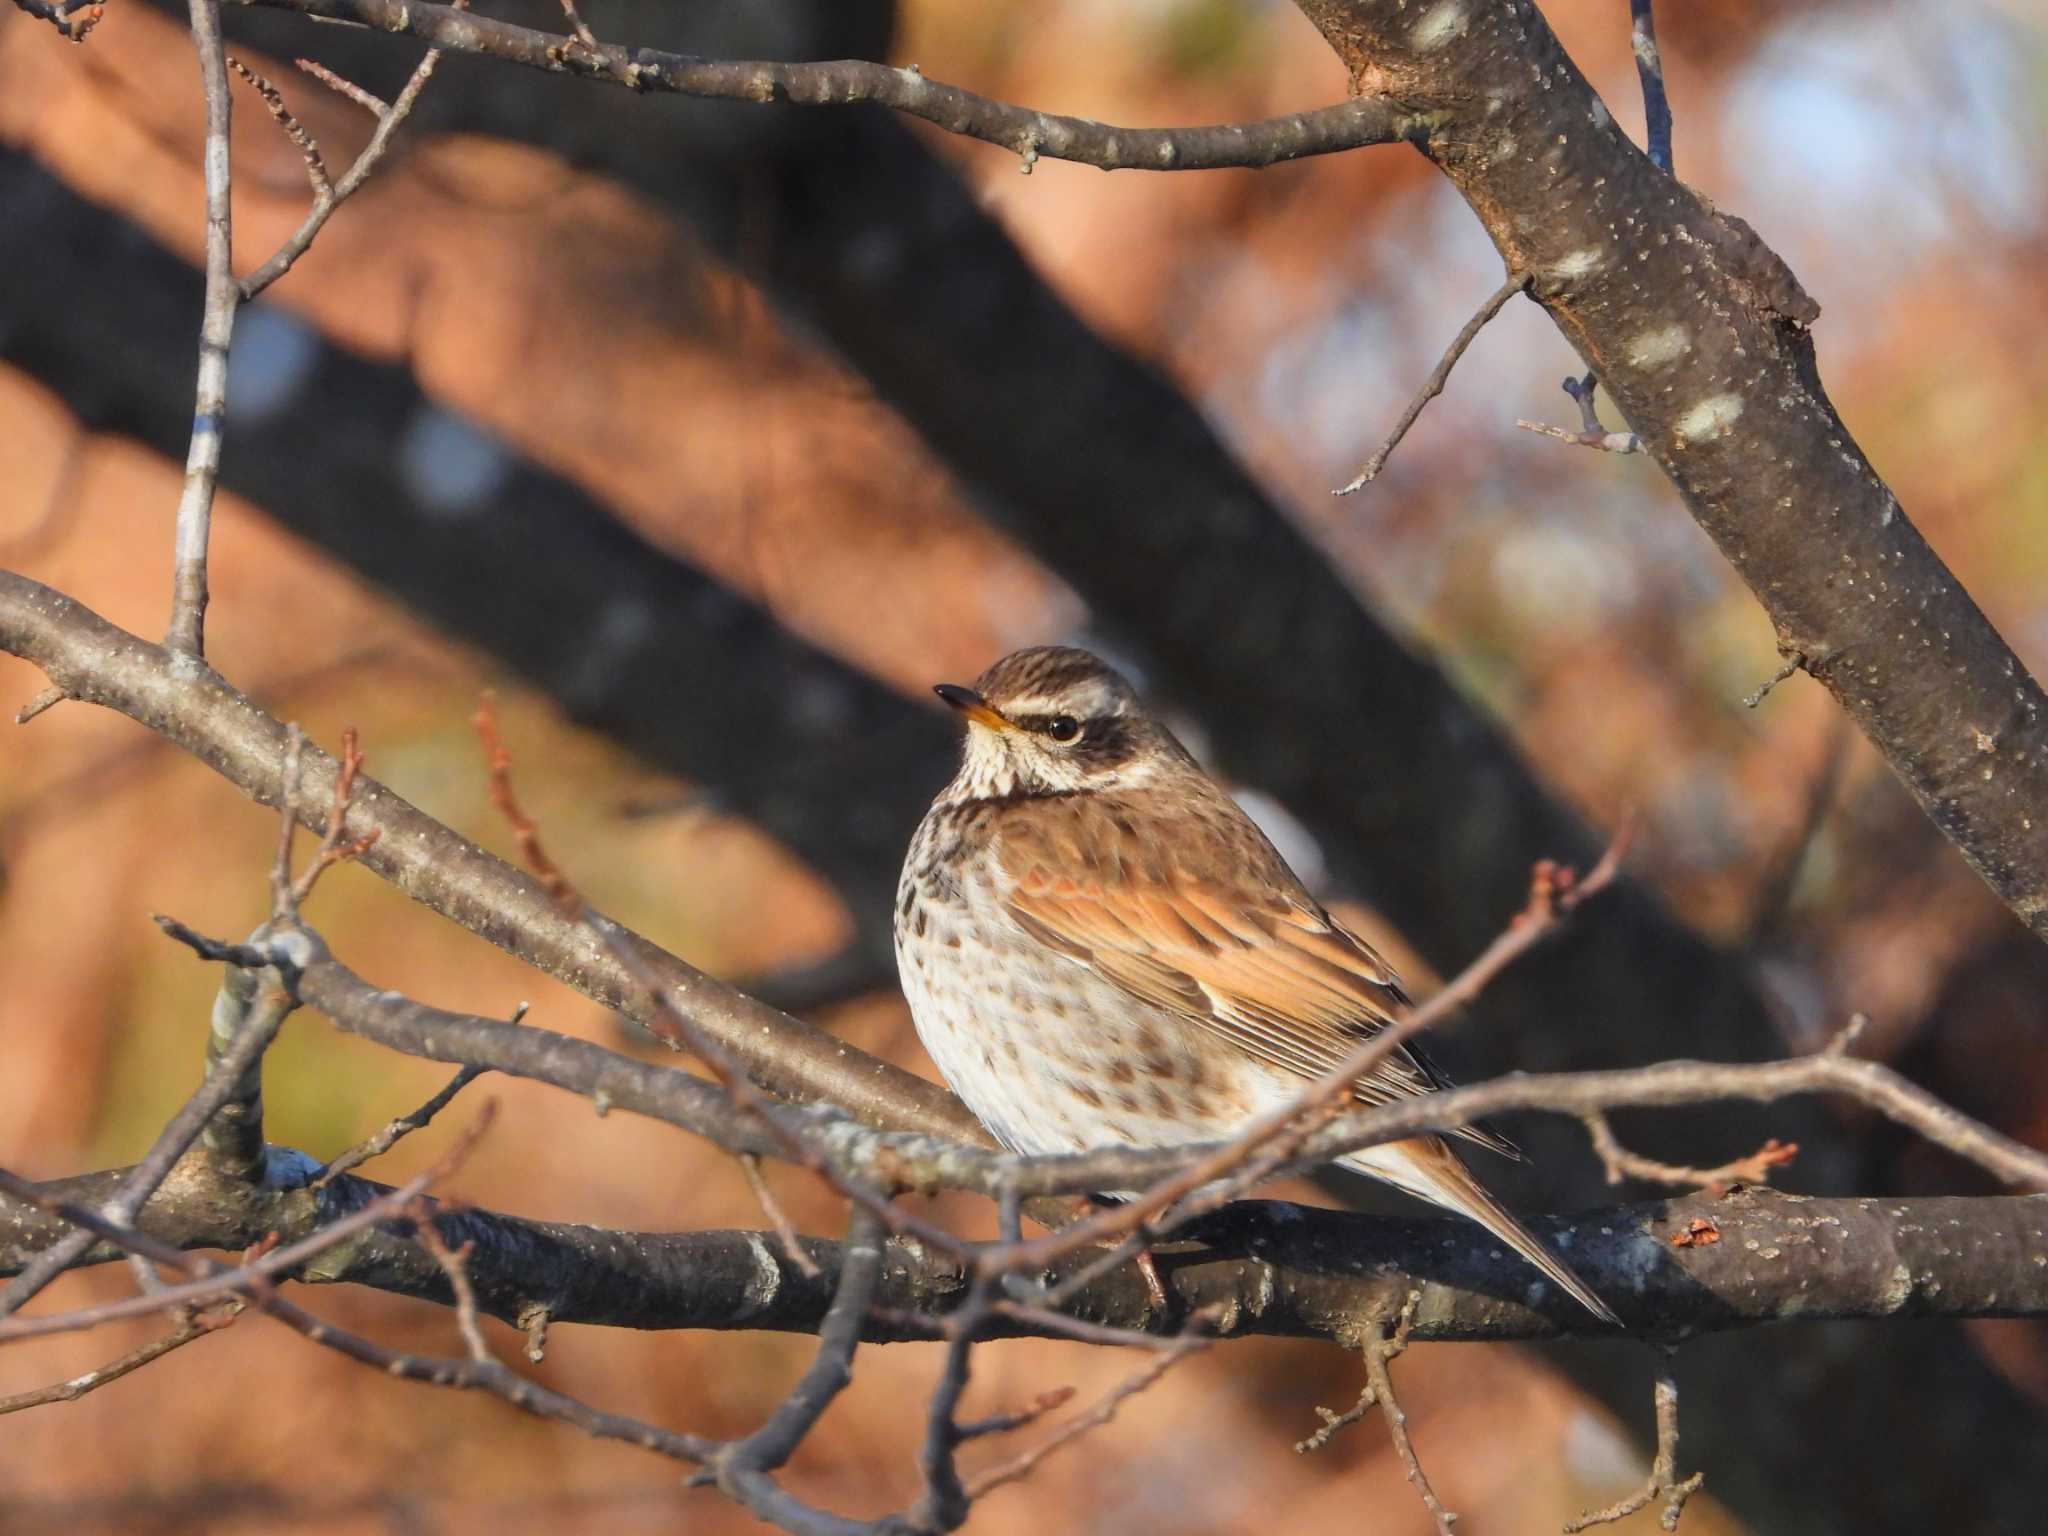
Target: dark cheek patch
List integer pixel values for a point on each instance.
(1106, 744)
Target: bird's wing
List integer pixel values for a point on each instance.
(1241, 951)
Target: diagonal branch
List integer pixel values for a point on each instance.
(1702, 336)
(446, 872)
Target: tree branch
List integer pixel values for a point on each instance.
(1700, 333)
(203, 715)
(1032, 135)
(186, 634)
(1262, 1268)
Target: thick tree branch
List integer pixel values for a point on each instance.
(845, 82)
(1263, 1268)
(1700, 333)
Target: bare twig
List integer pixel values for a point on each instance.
(189, 1327)
(404, 1125)
(1592, 432)
(309, 149)
(943, 1505)
(533, 1322)
(454, 1264)
(1031, 135)
(335, 846)
(328, 196)
(1621, 1164)
(45, 699)
(282, 906)
(750, 1165)
(239, 739)
(1049, 1401)
(923, 1161)
(1664, 1482)
(186, 634)
(1192, 1340)
(1765, 689)
(1650, 68)
(369, 101)
(1434, 384)
(1380, 1380)
(583, 33)
(469, 1374)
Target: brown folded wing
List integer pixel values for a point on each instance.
(1229, 941)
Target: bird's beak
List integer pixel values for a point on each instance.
(973, 706)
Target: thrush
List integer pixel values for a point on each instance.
(1099, 947)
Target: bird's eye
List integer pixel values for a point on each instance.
(1063, 728)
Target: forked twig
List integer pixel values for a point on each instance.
(1592, 432)
(1190, 1342)
(1664, 1482)
(1379, 1392)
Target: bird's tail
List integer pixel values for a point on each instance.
(1427, 1168)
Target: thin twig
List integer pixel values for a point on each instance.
(583, 33)
(335, 846)
(328, 197)
(1434, 384)
(1664, 1482)
(192, 1326)
(282, 907)
(943, 1505)
(45, 699)
(1191, 1341)
(831, 1368)
(1650, 69)
(750, 1165)
(1378, 1353)
(681, 1099)
(1769, 685)
(1621, 1164)
(490, 1376)
(308, 148)
(454, 1264)
(186, 635)
(1592, 432)
(404, 1125)
(1049, 1401)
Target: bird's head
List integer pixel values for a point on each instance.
(1057, 720)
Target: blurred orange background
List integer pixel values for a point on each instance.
(1893, 153)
